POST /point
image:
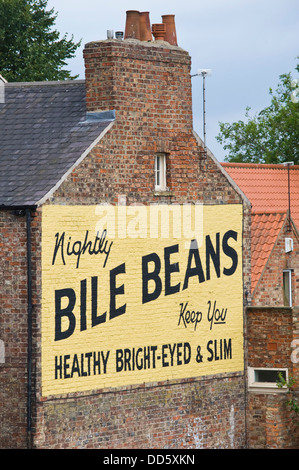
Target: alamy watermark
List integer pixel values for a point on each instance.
(155, 221)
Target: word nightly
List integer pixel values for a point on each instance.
(78, 248)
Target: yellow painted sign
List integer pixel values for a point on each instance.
(134, 294)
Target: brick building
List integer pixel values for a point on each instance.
(272, 318)
(115, 333)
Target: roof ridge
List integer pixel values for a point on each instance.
(44, 83)
(273, 166)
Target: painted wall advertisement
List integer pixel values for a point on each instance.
(139, 294)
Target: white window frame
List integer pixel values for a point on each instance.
(289, 272)
(160, 172)
(265, 387)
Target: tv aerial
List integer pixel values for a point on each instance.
(203, 73)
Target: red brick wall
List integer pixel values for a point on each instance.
(13, 323)
(206, 413)
(137, 79)
(13, 329)
(150, 89)
(270, 334)
(269, 290)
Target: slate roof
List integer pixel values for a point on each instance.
(266, 186)
(44, 132)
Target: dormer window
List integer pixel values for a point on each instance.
(160, 172)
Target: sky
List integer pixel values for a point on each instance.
(247, 44)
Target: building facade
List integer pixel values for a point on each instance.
(272, 316)
(125, 271)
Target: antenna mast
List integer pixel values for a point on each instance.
(204, 73)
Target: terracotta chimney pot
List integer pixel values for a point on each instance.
(159, 31)
(145, 27)
(132, 29)
(170, 36)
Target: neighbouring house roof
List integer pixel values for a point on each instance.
(265, 228)
(44, 133)
(266, 186)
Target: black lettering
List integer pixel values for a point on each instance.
(179, 354)
(187, 353)
(96, 363)
(119, 360)
(75, 366)
(171, 350)
(59, 244)
(95, 318)
(105, 360)
(230, 252)
(66, 366)
(58, 367)
(83, 305)
(127, 359)
(114, 291)
(88, 356)
(64, 312)
(197, 269)
(227, 349)
(210, 350)
(164, 356)
(181, 317)
(214, 254)
(139, 365)
(147, 357)
(148, 276)
(170, 268)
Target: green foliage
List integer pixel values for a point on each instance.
(292, 403)
(30, 50)
(271, 136)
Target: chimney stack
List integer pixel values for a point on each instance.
(142, 80)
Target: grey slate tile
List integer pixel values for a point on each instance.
(42, 135)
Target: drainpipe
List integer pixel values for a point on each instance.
(29, 328)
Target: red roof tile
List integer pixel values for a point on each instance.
(266, 186)
(265, 228)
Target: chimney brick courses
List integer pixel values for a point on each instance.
(140, 80)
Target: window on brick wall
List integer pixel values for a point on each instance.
(287, 288)
(264, 379)
(160, 172)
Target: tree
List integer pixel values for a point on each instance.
(272, 135)
(30, 50)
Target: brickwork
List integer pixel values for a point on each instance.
(270, 336)
(269, 289)
(13, 328)
(149, 87)
(13, 323)
(207, 413)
